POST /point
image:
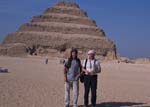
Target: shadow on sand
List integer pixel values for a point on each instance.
(119, 104)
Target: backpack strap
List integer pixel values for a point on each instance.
(95, 61)
(68, 64)
(79, 62)
(85, 63)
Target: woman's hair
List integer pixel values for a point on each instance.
(71, 58)
(73, 50)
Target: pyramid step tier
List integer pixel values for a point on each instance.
(64, 28)
(65, 10)
(63, 18)
(67, 4)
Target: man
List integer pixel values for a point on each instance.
(91, 67)
(72, 70)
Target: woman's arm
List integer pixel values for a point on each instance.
(65, 74)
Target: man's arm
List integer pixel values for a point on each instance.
(98, 66)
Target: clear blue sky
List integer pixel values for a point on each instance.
(126, 22)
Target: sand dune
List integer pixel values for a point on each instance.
(31, 83)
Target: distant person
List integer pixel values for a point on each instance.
(3, 70)
(91, 67)
(46, 61)
(72, 70)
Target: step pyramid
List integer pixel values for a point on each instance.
(60, 27)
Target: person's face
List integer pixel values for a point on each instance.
(74, 55)
(91, 56)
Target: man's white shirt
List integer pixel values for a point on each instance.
(92, 65)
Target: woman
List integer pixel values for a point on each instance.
(72, 70)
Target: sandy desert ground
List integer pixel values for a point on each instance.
(32, 83)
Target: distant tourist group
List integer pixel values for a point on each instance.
(86, 72)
